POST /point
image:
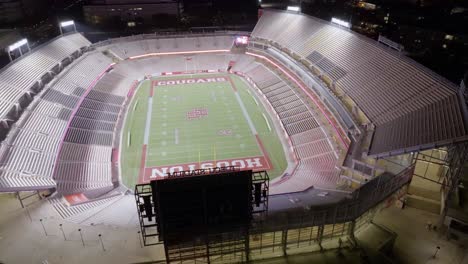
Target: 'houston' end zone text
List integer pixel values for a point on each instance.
(252, 163)
(190, 81)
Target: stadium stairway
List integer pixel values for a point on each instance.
(423, 203)
(116, 215)
(81, 212)
(424, 194)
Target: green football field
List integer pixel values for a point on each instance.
(196, 121)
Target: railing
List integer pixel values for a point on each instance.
(162, 35)
(316, 84)
(359, 202)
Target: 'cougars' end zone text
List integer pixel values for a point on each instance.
(189, 81)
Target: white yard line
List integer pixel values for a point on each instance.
(266, 121)
(128, 139)
(246, 115)
(149, 111)
(176, 135)
(126, 116)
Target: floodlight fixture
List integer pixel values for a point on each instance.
(17, 44)
(341, 22)
(242, 40)
(294, 8)
(66, 24)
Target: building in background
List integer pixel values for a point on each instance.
(22, 12)
(132, 13)
(11, 11)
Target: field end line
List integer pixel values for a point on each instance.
(144, 153)
(252, 127)
(233, 86)
(242, 106)
(266, 120)
(149, 112)
(265, 154)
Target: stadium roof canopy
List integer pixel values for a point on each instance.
(411, 107)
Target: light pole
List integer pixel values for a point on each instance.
(139, 239)
(81, 235)
(63, 233)
(435, 253)
(45, 232)
(102, 244)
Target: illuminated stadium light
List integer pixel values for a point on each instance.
(294, 8)
(341, 22)
(17, 44)
(242, 40)
(67, 23)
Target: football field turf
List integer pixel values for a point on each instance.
(196, 121)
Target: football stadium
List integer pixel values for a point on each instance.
(326, 127)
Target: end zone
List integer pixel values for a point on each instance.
(257, 163)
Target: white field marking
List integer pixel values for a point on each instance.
(253, 97)
(266, 120)
(128, 139)
(166, 160)
(255, 100)
(176, 134)
(213, 96)
(175, 156)
(246, 115)
(148, 120)
(230, 151)
(135, 106)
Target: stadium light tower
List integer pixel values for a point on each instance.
(66, 24)
(17, 45)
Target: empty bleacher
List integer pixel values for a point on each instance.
(34, 140)
(317, 160)
(20, 76)
(390, 89)
(129, 47)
